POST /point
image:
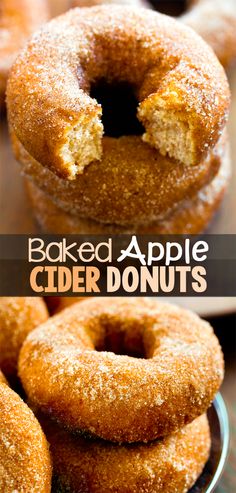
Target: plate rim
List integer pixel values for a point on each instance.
(222, 414)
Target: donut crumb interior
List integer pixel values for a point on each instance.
(83, 144)
(168, 132)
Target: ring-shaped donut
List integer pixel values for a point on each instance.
(18, 316)
(174, 368)
(169, 465)
(18, 20)
(25, 464)
(179, 83)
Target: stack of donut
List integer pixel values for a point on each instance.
(167, 178)
(125, 388)
(120, 388)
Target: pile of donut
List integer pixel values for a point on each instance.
(169, 177)
(115, 395)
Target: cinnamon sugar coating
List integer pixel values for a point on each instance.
(180, 85)
(191, 216)
(133, 184)
(25, 464)
(214, 20)
(173, 372)
(169, 465)
(18, 317)
(18, 20)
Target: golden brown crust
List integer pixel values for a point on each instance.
(214, 20)
(56, 304)
(25, 464)
(188, 85)
(18, 20)
(190, 217)
(169, 465)
(18, 317)
(132, 184)
(114, 396)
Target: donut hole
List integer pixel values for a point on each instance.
(119, 108)
(120, 344)
(121, 339)
(170, 7)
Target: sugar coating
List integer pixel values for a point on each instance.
(191, 216)
(179, 83)
(168, 465)
(133, 184)
(18, 20)
(117, 397)
(25, 464)
(214, 21)
(18, 316)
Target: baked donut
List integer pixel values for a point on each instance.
(18, 316)
(169, 465)
(192, 216)
(56, 304)
(25, 464)
(167, 368)
(132, 184)
(214, 20)
(18, 20)
(179, 84)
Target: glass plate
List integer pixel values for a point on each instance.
(219, 426)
